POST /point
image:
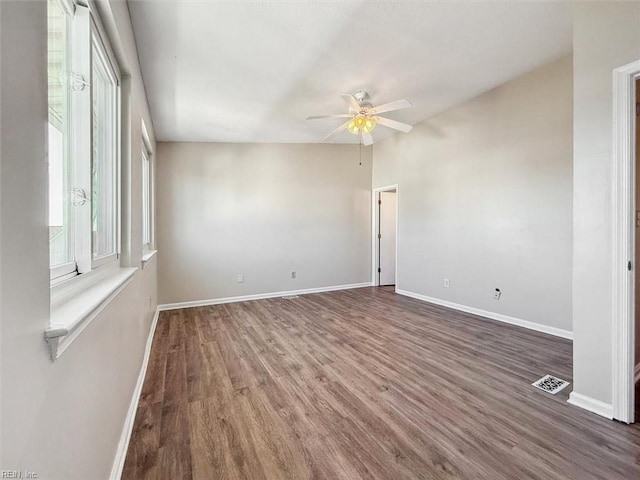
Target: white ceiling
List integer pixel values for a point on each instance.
(253, 71)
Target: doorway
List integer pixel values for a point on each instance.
(624, 265)
(385, 231)
(636, 371)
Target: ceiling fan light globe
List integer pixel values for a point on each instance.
(369, 124)
(353, 127)
(361, 123)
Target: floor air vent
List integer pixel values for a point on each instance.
(550, 384)
(290, 297)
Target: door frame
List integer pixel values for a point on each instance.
(624, 205)
(375, 280)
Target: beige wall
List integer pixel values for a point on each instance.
(261, 210)
(61, 419)
(606, 35)
(485, 199)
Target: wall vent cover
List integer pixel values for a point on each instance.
(290, 297)
(550, 384)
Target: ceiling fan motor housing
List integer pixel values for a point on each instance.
(362, 98)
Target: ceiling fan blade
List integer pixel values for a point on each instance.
(387, 122)
(316, 117)
(351, 100)
(337, 130)
(367, 139)
(389, 107)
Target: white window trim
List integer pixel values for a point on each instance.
(146, 200)
(147, 256)
(77, 299)
(76, 304)
(148, 151)
(86, 32)
(62, 272)
(102, 35)
(113, 72)
(80, 138)
(69, 269)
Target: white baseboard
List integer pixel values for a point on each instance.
(127, 429)
(591, 404)
(636, 374)
(259, 296)
(538, 327)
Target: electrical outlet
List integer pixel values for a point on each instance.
(240, 278)
(446, 283)
(293, 274)
(496, 294)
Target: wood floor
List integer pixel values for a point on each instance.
(362, 384)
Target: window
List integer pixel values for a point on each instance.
(60, 233)
(83, 143)
(104, 155)
(146, 199)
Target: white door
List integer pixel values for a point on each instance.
(387, 237)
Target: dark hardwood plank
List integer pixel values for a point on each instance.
(362, 384)
(142, 457)
(211, 453)
(153, 388)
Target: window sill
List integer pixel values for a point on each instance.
(71, 314)
(147, 256)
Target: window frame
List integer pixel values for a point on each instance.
(64, 271)
(75, 302)
(148, 203)
(114, 75)
(86, 35)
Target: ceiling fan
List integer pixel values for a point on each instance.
(363, 117)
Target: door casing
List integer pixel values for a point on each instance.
(374, 232)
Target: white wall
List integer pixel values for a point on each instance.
(60, 419)
(262, 211)
(485, 199)
(606, 35)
